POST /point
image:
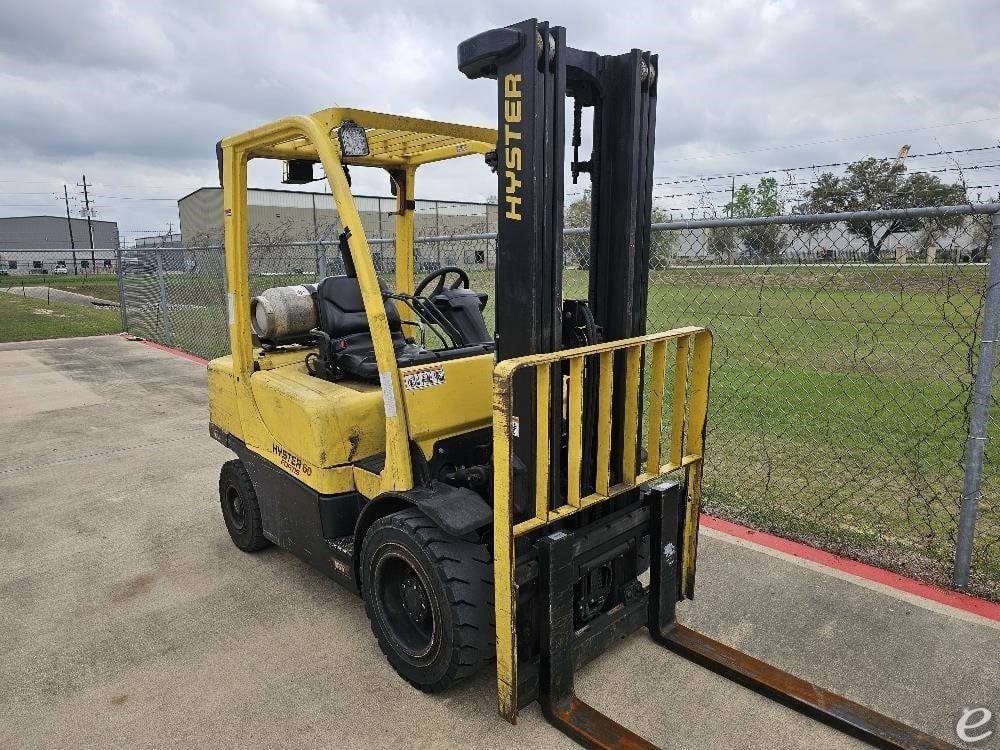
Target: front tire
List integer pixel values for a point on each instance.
(429, 598)
(240, 509)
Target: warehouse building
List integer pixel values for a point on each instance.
(53, 232)
(167, 239)
(43, 244)
(297, 216)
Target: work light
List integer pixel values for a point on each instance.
(353, 141)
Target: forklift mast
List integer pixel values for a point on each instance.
(535, 72)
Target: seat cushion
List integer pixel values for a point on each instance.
(342, 310)
(342, 318)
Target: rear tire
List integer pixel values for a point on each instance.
(240, 509)
(429, 598)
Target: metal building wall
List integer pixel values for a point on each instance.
(293, 216)
(52, 232)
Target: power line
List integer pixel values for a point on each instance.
(133, 198)
(69, 224)
(47, 192)
(89, 210)
(28, 205)
(691, 179)
(812, 182)
(836, 140)
(752, 173)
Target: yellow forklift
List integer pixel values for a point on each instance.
(500, 497)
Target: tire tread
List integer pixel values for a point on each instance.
(466, 572)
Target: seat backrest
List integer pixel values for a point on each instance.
(342, 310)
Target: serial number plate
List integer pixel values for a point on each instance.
(413, 381)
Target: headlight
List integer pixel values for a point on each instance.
(353, 141)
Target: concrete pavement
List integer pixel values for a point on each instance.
(128, 619)
(61, 295)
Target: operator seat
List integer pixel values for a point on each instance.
(342, 318)
(345, 340)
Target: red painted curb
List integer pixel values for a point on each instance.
(954, 599)
(161, 347)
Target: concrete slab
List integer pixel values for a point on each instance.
(29, 386)
(130, 620)
(47, 293)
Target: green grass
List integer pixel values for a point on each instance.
(839, 407)
(24, 319)
(102, 286)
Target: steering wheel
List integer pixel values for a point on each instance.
(462, 280)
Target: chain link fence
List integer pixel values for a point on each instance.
(844, 374)
(23, 265)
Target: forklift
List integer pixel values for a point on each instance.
(527, 497)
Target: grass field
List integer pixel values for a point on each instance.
(24, 319)
(102, 286)
(839, 405)
(839, 402)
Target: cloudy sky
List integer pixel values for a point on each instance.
(136, 94)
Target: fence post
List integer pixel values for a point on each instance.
(164, 311)
(320, 250)
(121, 287)
(321, 260)
(982, 395)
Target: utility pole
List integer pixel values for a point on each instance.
(69, 223)
(90, 225)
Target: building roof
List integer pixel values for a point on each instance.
(58, 218)
(327, 195)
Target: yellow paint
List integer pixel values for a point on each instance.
(630, 431)
(300, 433)
(223, 407)
(679, 400)
(701, 368)
(575, 423)
(460, 404)
(604, 398)
(655, 401)
(512, 148)
(543, 404)
(327, 424)
(368, 484)
(505, 591)
(269, 360)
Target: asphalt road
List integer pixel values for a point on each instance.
(128, 619)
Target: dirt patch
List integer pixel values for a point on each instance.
(140, 584)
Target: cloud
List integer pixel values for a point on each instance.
(137, 94)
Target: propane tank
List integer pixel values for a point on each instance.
(284, 311)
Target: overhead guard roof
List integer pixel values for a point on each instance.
(393, 140)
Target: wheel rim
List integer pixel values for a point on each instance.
(406, 605)
(237, 513)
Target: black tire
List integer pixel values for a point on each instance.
(240, 508)
(444, 634)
